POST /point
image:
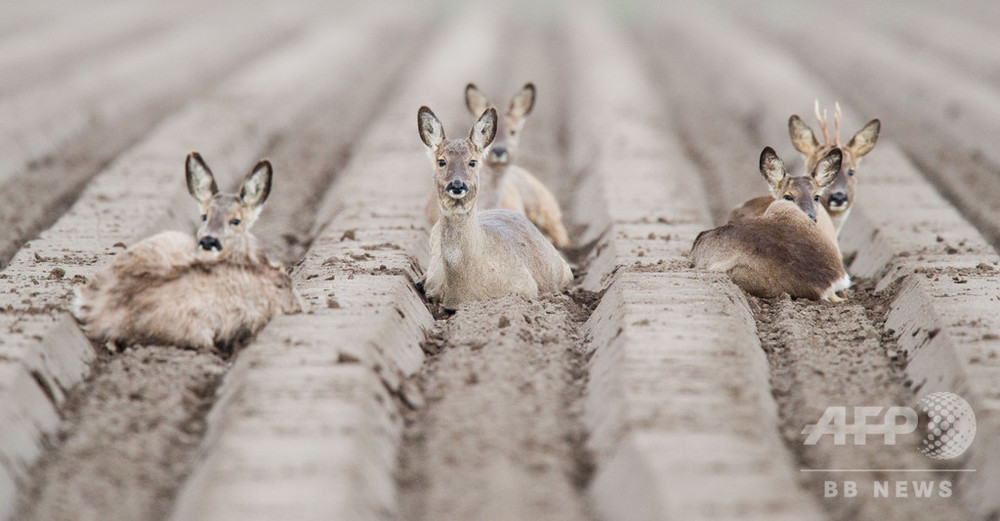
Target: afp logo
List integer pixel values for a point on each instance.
(948, 431)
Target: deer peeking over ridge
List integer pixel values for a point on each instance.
(213, 290)
(507, 185)
(479, 255)
(839, 197)
(783, 250)
(806, 191)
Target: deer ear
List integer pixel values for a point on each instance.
(476, 100)
(772, 167)
(430, 128)
(200, 182)
(803, 138)
(523, 102)
(864, 141)
(257, 185)
(485, 129)
(827, 167)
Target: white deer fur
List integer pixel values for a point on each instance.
(478, 255)
(213, 290)
(504, 184)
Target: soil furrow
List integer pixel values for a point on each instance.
(903, 83)
(145, 451)
(820, 354)
(53, 158)
(650, 391)
(126, 440)
(357, 280)
(79, 40)
(501, 420)
(500, 434)
(825, 355)
(909, 233)
(677, 400)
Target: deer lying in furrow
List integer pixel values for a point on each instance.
(839, 197)
(782, 250)
(504, 184)
(479, 255)
(797, 189)
(209, 291)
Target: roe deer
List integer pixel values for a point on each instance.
(507, 185)
(783, 250)
(839, 198)
(213, 290)
(478, 255)
(806, 191)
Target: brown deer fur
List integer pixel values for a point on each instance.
(840, 196)
(781, 251)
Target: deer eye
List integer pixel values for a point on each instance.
(472, 163)
(442, 162)
(788, 197)
(816, 198)
(204, 217)
(512, 132)
(850, 173)
(234, 222)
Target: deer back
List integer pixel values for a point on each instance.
(782, 251)
(758, 205)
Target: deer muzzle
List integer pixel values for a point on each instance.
(838, 200)
(499, 155)
(209, 243)
(457, 189)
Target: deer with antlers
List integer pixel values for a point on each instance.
(840, 195)
(837, 198)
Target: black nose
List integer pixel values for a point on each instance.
(499, 153)
(838, 199)
(207, 243)
(457, 187)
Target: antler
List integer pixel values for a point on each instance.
(822, 119)
(836, 123)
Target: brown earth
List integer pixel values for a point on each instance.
(124, 446)
(493, 420)
(503, 396)
(823, 354)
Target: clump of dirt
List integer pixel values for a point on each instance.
(129, 438)
(500, 435)
(586, 302)
(824, 354)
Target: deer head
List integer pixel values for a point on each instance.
(841, 194)
(804, 190)
(457, 162)
(509, 125)
(226, 219)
